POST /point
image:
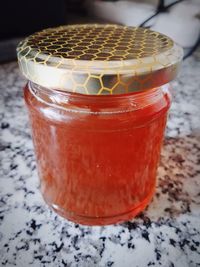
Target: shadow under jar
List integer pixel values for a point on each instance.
(98, 102)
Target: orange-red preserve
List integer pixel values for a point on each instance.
(98, 98)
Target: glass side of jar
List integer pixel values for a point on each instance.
(97, 156)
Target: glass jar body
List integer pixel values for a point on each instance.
(97, 156)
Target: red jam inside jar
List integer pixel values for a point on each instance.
(97, 154)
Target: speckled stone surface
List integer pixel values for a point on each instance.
(166, 234)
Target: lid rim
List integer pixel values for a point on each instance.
(47, 66)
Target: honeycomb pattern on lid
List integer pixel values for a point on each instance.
(61, 57)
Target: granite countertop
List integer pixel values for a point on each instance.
(166, 234)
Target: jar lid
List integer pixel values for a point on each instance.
(99, 59)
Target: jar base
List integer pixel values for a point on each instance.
(99, 221)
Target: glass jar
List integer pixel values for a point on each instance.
(97, 153)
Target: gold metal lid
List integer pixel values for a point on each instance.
(99, 59)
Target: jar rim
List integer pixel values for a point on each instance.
(58, 96)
